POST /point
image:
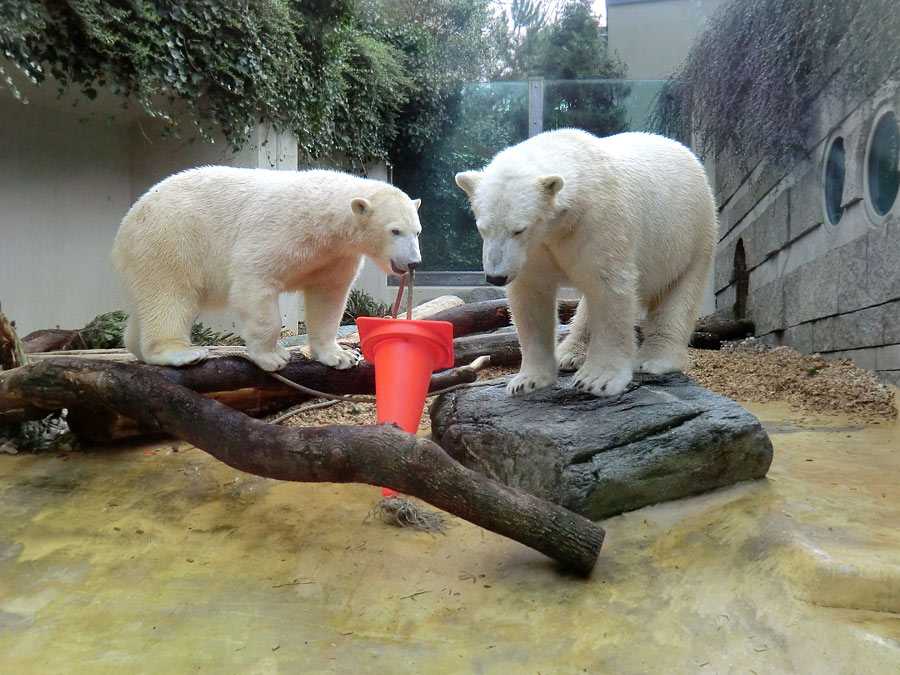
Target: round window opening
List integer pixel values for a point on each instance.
(834, 181)
(883, 166)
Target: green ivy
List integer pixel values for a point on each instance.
(342, 84)
(752, 76)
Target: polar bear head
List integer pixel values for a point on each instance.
(513, 211)
(391, 220)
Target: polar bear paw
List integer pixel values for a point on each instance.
(667, 363)
(602, 381)
(525, 382)
(569, 360)
(273, 360)
(338, 358)
(181, 355)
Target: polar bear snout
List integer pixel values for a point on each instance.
(495, 280)
(403, 268)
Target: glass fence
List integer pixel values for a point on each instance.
(489, 117)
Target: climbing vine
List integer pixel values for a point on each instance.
(309, 66)
(752, 75)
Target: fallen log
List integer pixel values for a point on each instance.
(479, 317)
(48, 340)
(377, 455)
(232, 380)
(711, 332)
(503, 348)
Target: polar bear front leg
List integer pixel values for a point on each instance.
(533, 305)
(607, 368)
(256, 303)
(325, 302)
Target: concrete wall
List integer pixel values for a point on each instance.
(64, 187)
(813, 286)
(653, 37)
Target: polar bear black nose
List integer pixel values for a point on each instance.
(495, 280)
(412, 265)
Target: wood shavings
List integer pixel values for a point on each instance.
(807, 383)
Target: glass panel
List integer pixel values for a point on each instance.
(603, 107)
(834, 181)
(884, 164)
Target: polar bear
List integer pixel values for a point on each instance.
(221, 236)
(628, 220)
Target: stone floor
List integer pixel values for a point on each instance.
(142, 560)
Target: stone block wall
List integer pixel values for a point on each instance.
(814, 286)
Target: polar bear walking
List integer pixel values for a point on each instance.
(628, 220)
(221, 236)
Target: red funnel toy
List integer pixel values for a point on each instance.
(405, 354)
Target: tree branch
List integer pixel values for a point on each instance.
(378, 455)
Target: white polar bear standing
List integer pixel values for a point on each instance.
(221, 236)
(629, 220)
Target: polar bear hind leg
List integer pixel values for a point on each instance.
(670, 322)
(607, 368)
(571, 352)
(133, 335)
(163, 319)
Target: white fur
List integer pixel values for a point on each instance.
(221, 236)
(629, 220)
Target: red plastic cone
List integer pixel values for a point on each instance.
(405, 354)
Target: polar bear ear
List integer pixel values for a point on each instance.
(417, 203)
(551, 184)
(468, 181)
(360, 206)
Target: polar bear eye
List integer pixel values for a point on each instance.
(395, 231)
(518, 232)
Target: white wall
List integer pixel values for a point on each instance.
(64, 186)
(653, 37)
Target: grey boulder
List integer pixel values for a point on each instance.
(664, 438)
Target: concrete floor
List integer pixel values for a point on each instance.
(147, 560)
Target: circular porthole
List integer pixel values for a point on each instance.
(834, 181)
(883, 164)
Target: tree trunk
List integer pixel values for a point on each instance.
(12, 355)
(380, 455)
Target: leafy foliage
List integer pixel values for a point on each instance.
(573, 50)
(343, 83)
(104, 331)
(360, 303)
(752, 76)
(107, 331)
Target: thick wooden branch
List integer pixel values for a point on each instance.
(380, 455)
(478, 317)
(232, 380)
